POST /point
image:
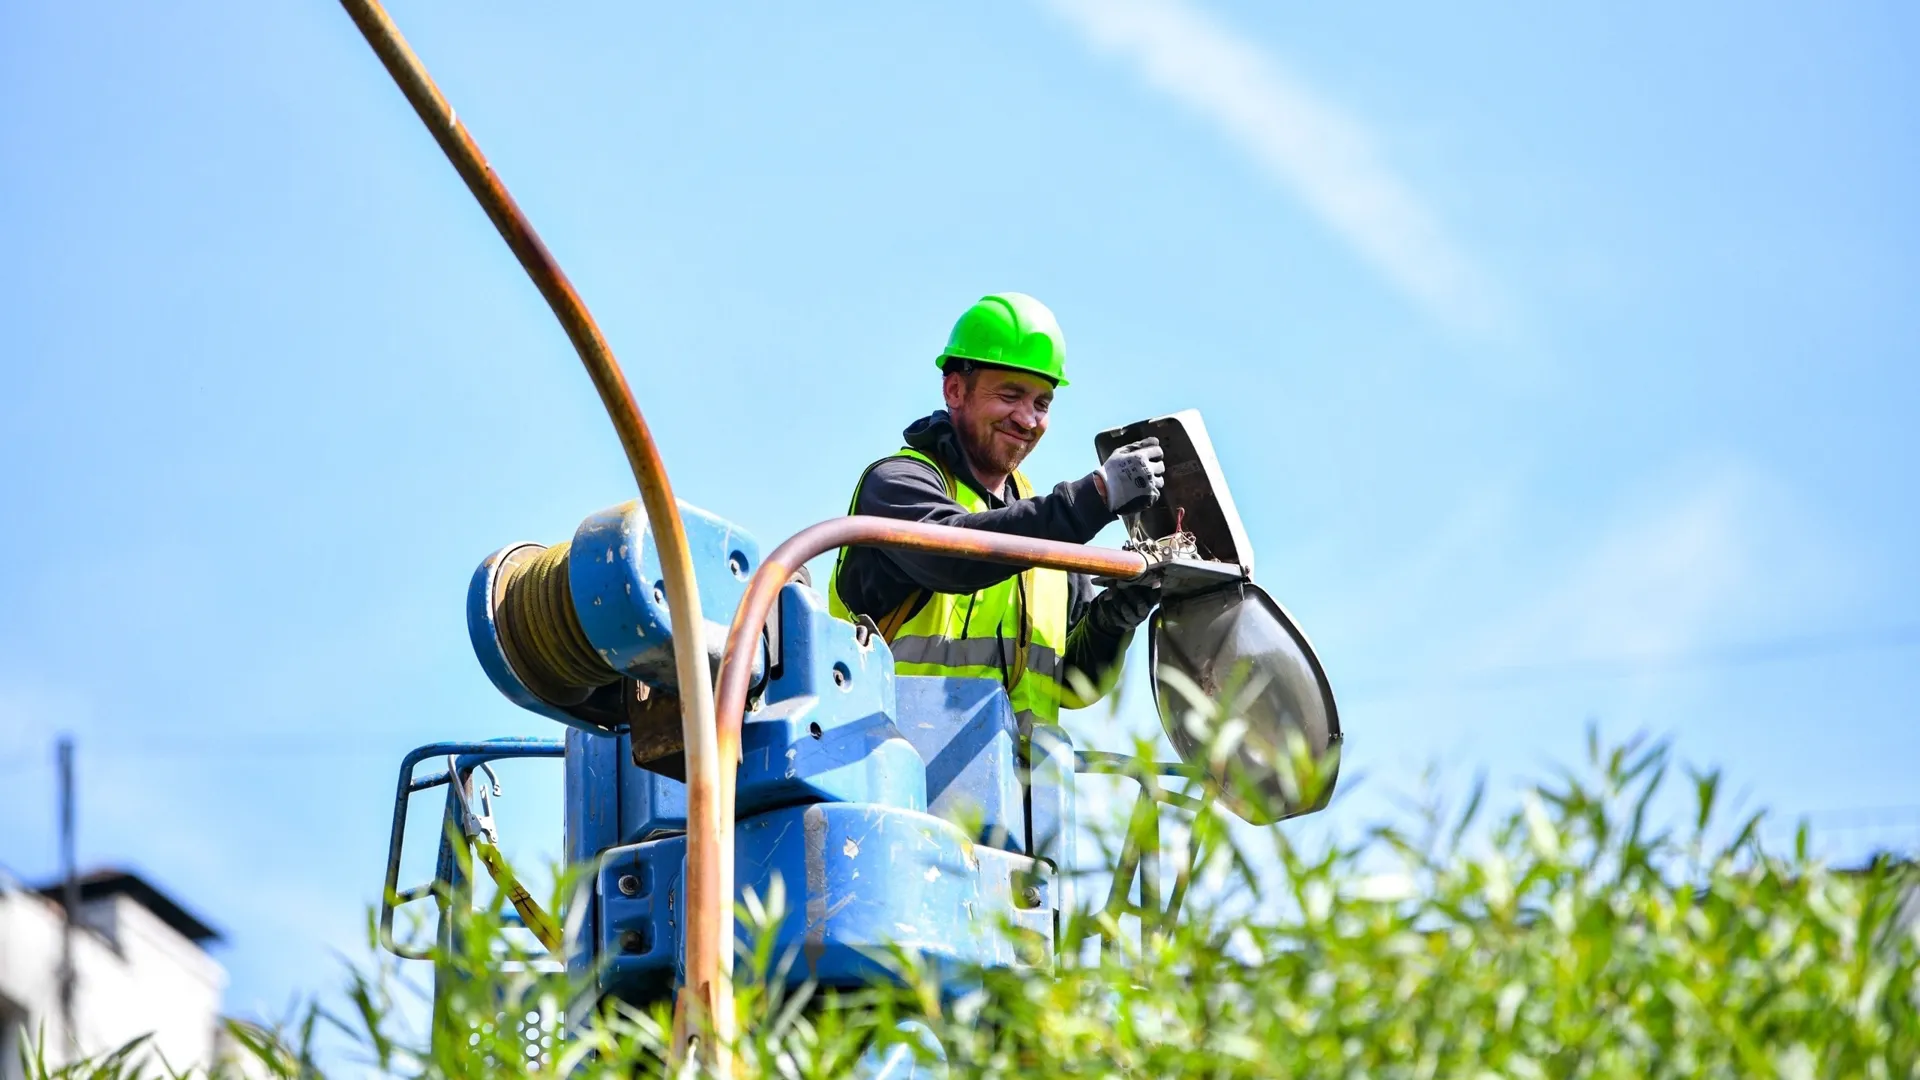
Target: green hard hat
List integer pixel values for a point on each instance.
(1011, 330)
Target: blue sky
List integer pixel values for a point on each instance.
(1562, 363)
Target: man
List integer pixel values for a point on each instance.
(1043, 634)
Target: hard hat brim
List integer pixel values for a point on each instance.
(941, 363)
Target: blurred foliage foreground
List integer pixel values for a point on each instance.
(1598, 926)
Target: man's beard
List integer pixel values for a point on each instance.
(988, 452)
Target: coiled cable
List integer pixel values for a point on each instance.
(541, 632)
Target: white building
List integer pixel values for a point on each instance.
(140, 967)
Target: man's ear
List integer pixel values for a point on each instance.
(953, 387)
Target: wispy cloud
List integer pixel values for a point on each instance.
(1324, 155)
(1658, 584)
(1715, 557)
(1707, 565)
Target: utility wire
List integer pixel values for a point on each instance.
(1745, 654)
(1867, 817)
(351, 745)
(369, 744)
(228, 748)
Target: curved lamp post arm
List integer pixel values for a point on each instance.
(763, 590)
(708, 994)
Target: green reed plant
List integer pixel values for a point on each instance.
(1571, 928)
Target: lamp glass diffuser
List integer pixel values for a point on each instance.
(1239, 648)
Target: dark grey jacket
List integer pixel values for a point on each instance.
(875, 581)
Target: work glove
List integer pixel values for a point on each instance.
(1119, 608)
(1134, 476)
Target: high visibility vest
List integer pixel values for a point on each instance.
(1013, 633)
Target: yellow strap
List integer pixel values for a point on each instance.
(897, 618)
(531, 913)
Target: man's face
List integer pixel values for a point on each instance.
(999, 415)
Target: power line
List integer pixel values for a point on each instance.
(1745, 654)
(222, 747)
(246, 747)
(1867, 817)
(367, 744)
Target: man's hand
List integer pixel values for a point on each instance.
(1132, 478)
(1120, 608)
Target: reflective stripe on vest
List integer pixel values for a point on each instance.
(1012, 632)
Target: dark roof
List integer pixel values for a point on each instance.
(100, 884)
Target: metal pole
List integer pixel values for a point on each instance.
(706, 999)
(69, 894)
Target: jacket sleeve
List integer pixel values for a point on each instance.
(1091, 651)
(910, 490)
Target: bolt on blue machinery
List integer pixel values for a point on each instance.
(893, 811)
